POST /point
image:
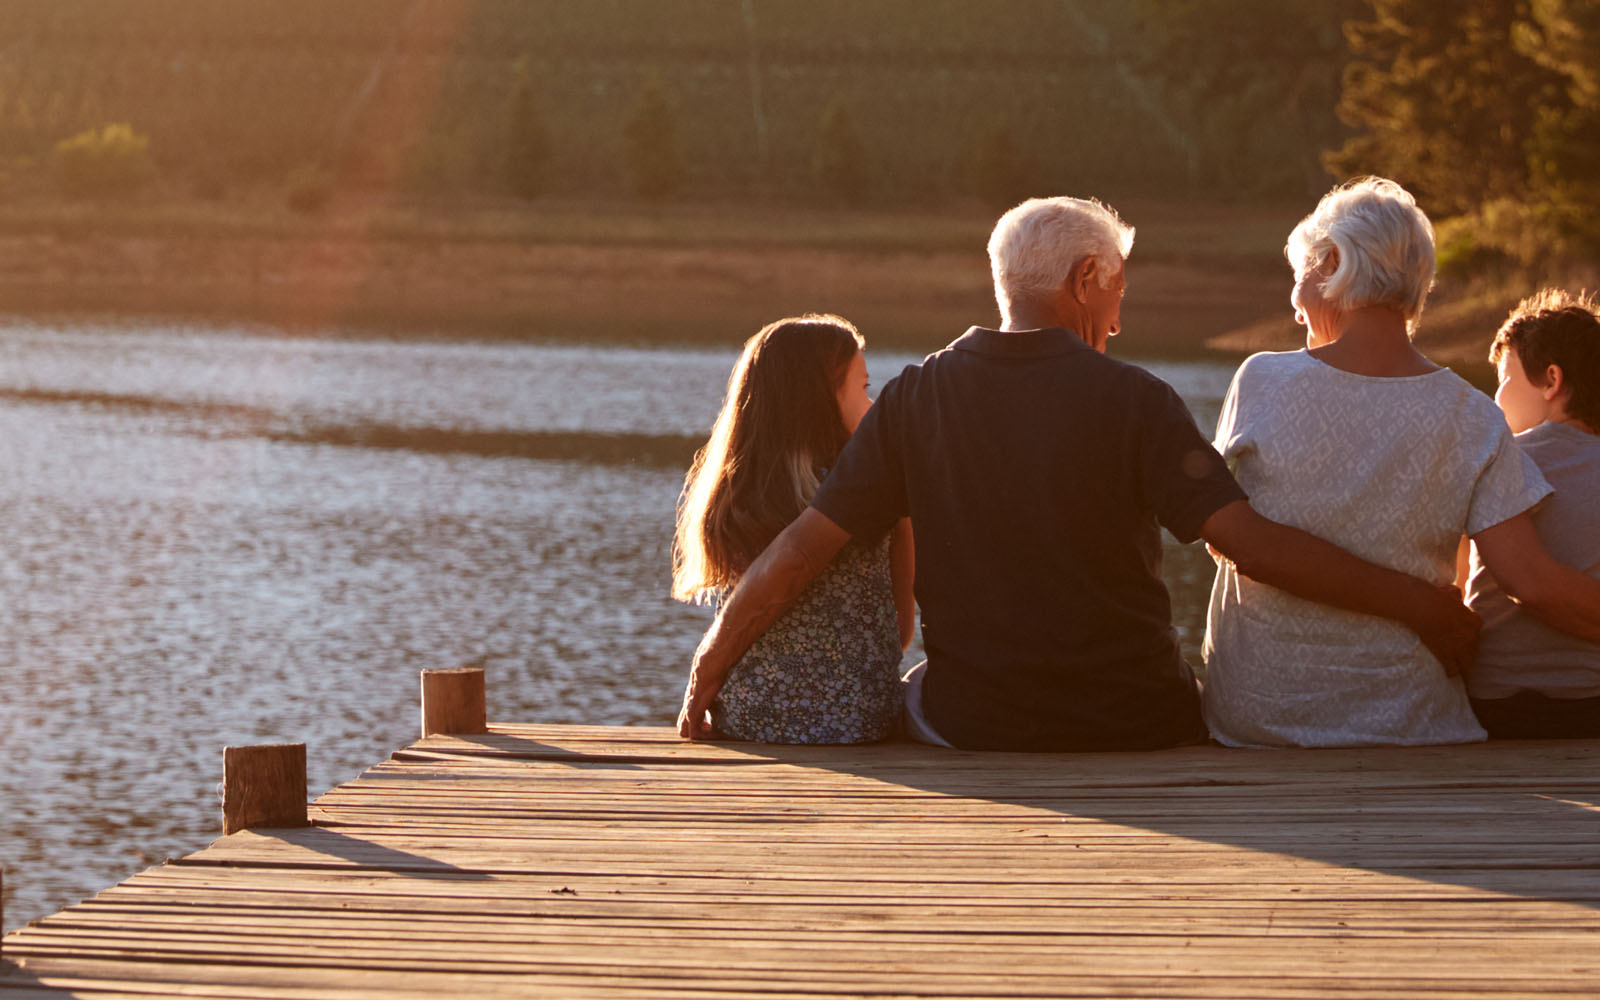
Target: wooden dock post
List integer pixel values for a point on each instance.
(263, 786)
(453, 701)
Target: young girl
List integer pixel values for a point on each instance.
(827, 671)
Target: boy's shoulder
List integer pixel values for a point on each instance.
(1551, 444)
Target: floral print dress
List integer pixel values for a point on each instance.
(828, 671)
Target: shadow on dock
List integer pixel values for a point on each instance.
(347, 850)
(1465, 816)
(1518, 819)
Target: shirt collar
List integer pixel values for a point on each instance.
(1049, 342)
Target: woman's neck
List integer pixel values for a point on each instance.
(1373, 341)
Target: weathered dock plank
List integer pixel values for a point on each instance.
(613, 862)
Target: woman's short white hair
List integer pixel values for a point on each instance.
(1034, 245)
(1385, 246)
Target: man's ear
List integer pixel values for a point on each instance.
(1082, 273)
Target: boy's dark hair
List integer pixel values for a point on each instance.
(1556, 327)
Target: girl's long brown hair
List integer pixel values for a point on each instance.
(778, 432)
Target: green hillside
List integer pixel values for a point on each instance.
(418, 93)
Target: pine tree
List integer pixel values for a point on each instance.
(1443, 100)
(653, 160)
(1564, 37)
(1489, 110)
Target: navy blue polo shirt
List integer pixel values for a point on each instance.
(1037, 473)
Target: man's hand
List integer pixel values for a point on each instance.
(694, 719)
(1449, 629)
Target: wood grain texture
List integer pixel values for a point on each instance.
(263, 786)
(583, 861)
(453, 701)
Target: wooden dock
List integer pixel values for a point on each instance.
(567, 861)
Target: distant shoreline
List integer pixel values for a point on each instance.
(1204, 280)
(708, 274)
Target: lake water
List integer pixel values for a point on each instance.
(224, 536)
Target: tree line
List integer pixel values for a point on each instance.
(897, 102)
(1487, 108)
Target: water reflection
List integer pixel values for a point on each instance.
(218, 537)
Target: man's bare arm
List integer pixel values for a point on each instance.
(1317, 570)
(764, 593)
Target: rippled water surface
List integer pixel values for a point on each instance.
(196, 549)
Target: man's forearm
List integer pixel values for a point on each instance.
(1309, 567)
(766, 590)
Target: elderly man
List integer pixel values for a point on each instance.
(1037, 473)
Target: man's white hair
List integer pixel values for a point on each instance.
(1034, 245)
(1385, 246)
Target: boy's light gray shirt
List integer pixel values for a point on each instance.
(1517, 653)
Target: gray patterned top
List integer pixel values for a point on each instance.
(828, 671)
(1394, 470)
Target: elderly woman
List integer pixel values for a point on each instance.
(1362, 440)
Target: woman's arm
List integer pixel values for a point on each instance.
(903, 572)
(1549, 590)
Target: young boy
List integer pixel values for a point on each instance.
(1531, 680)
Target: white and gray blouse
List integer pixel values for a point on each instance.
(1394, 470)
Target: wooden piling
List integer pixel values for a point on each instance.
(263, 787)
(453, 701)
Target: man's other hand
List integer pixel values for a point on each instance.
(694, 718)
(1449, 629)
